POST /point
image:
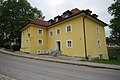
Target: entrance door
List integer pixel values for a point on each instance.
(58, 45)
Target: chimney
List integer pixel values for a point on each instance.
(95, 15)
(88, 11)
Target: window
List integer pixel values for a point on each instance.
(58, 32)
(22, 43)
(40, 42)
(97, 30)
(26, 42)
(51, 33)
(69, 43)
(27, 32)
(66, 15)
(69, 28)
(40, 31)
(99, 43)
(56, 19)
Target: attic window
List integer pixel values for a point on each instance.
(66, 15)
(56, 19)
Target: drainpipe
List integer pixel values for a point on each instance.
(84, 30)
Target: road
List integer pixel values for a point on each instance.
(28, 69)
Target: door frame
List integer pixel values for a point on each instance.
(57, 45)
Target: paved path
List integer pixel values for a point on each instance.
(28, 69)
(63, 61)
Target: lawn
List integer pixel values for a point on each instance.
(116, 62)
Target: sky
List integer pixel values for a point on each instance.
(52, 8)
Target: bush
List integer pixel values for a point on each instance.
(16, 47)
(7, 45)
(114, 53)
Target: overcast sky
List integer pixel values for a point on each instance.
(52, 8)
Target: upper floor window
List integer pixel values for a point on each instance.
(26, 42)
(69, 43)
(22, 43)
(40, 31)
(57, 31)
(40, 42)
(51, 33)
(99, 43)
(97, 30)
(27, 32)
(69, 28)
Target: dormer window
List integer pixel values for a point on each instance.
(51, 21)
(56, 19)
(67, 14)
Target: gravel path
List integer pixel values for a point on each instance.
(3, 77)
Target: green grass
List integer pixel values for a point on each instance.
(116, 62)
(11, 50)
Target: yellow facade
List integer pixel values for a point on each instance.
(76, 36)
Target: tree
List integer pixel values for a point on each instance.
(114, 10)
(13, 15)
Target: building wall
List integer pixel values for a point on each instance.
(24, 37)
(76, 36)
(92, 38)
(33, 46)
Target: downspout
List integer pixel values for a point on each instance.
(84, 30)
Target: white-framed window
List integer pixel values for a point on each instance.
(69, 44)
(57, 31)
(27, 32)
(26, 42)
(69, 28)
(97, 30)
(40, 42)
(22, 43)
(40, 31)
(51, 33)
(99, 43)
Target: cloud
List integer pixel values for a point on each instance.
(52, 8)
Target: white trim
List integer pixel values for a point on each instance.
(70, 27)
(60, 44)
(38, 42)
(26, 42)
(67, 44)
(99, 44)
(50, 33)
(59, 30)
(38, 31)
(97, 30)
(39, 52)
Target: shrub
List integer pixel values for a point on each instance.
(16, 47)
(7, 45)
(114, 53)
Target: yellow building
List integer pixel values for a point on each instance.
(74, 33)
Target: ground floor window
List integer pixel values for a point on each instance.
(40, 42)
(69, 44)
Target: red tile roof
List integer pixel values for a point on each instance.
(39, 22)
(74, 12)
